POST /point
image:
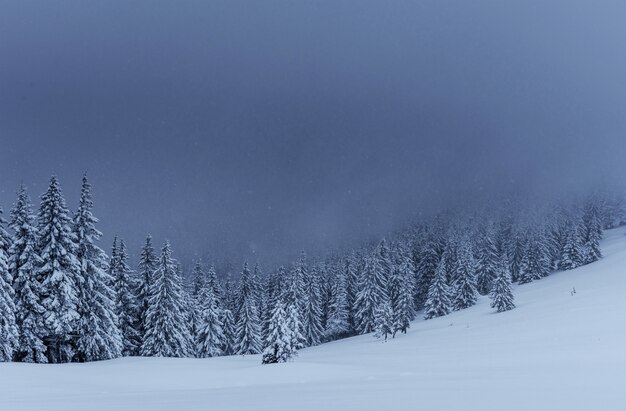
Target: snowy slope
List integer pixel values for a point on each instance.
(554, 351)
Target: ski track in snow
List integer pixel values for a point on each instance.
(554, 351)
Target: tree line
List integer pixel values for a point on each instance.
(62, 299)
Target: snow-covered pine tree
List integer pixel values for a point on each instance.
(23, 263)
(280, 347)
(295, 326)
(572, 254)
(248, 323)
(126, 307)
(429, 257)
(166, 331)
(464, 288)
(294, 295)
(327, 276)
(535, 261)
(198, 278)
(501, 293)
(213, 283)
(487, 261)
(58, 273)
(147, 267)
(257, 287)
(229, 343)
(401, 291)
(312, 313)
(371, 295)
(99, 337)
(195, 303)
(8, 325)
(592, 232)
(209, 334)
(338, 325)
(351, 273)
(272, 297)
(383, 323)
(438, 302)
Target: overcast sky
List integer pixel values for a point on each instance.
(258, 128)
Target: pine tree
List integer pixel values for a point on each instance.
(195, 303)
(487, 262)
(126, 307)
(99, 337)
(464, 289)
(338, 324)
(383, 321)
(248, 324)
(438, 302)
(294, 326)
(502, 294)
(280, 346)
(210, 335)
(571, 252)
(430, 255)
(592, 233)
(273, 295)
(147, 268)
(8, 325)
(166, 333)
(535, 261)
(401, 292)
(294, 296)
(229, 343)
(312, 313)
(372, 294)
(351, 273)
(59, 274)
(23, 263)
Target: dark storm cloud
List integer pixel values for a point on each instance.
(268, 126)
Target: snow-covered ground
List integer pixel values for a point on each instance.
(555, 351)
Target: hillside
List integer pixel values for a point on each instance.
(554, 351)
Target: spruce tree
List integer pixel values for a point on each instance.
(592, 233)
(338, 324)
(312, 313)
(571, 252)
(58, 272)
(464, 288)
(429, 257)
(535, 262)
(372, 294)
(502, 294)
(23, 263)
(126, 307)
(209, 335)
(401, 292)
(280, 347)
(229, 343)
(99, 337)
(166, 333)
(351, 274)
(248, 325)
(294, 326)
(383, 323)
(294, 296)
(438, 302)
(487, 262)
(147, 268)
(8, 325)
(273, 294)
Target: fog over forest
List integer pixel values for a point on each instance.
(256, 129)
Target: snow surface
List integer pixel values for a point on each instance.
(555, 351)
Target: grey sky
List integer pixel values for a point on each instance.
(241, 127)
